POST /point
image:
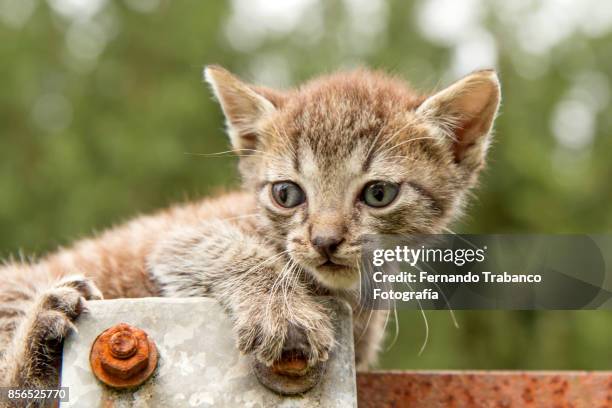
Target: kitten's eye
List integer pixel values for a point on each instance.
(379, 193)
(288, 194)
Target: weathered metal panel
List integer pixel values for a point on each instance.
(198, 363)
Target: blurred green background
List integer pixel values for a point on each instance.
(103, 113)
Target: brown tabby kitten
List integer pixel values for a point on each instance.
(342, 156)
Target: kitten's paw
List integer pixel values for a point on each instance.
(53, 316)
(87, 289)
(305, 336)
(311, 342)
(33, 359)
(300, 365)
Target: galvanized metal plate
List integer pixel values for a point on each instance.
(199, 365)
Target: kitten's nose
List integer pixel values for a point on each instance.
(326, 245)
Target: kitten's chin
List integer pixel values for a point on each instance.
(333, 276)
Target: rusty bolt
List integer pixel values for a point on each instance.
(123, 344)
(290, 375)
(291, 365)
(123, 356)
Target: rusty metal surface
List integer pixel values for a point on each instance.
(494, 389)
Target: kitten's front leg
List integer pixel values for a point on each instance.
(32, 357)
(273, 326)
(273, 311)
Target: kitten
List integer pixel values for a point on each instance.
(341, 156)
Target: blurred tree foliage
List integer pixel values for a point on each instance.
(104, 114)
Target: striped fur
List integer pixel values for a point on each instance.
(330, 136)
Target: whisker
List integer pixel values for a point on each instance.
(406, 142)
(291, 282)
(269, 259)
(359, 299)
(274, 288)
(450, 310)
(371, 311)
(382, 128)
(396, 325)
(272, 258)
(287, 143)
(241, 216)
(232, 153)
(284, 282)
(397, 328)
(277, 283)
(424, 321)
(392, 137)
(281, 283)
(460, 237)
(362, 289)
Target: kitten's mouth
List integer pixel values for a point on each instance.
(333, 274)
(331, 266)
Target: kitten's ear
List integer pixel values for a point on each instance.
(244, 106)
(465, 112)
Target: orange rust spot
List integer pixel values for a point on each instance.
(528, 395)
(293, 366)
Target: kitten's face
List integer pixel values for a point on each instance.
(351, 155)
